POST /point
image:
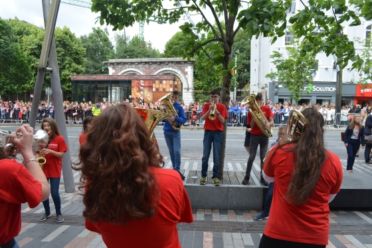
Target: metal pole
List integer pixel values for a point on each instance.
(338, 94)
(68, 178)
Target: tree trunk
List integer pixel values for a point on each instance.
(225, 97)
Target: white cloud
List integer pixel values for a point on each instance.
(81, 20)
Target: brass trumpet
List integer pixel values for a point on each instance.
(212, 112)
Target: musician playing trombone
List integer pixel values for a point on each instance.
(172, 134)
(19, 184)
(257, 138)
(215, 114)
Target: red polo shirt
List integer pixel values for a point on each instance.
(53, 165)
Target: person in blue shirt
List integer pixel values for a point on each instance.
(172, 133)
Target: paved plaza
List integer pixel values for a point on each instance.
(212, 227)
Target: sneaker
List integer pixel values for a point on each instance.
(60, 219)
(181, 175)
(216, 181)
(259, 217)
(245, 181)
(44, 217)
(203, 180)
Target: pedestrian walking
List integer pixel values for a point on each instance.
(53, 154)
(307, 177)
(172, 133)
(354, 137)
(129, 199)
(214, 113)
(19, 183)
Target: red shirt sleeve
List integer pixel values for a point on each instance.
(186, 211)
(338, 174)
(62, 147)
(268, 166)
(25, 188)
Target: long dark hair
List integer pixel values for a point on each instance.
(309, 158)
(115, 163)
(53, 127)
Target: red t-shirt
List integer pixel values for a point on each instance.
(82, 138)
(255, 129)
(17, 186)
(307, 223)
(159, 231)
(53, 165)
(214, 125)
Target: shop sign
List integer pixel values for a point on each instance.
(315, 88)
(363, 90)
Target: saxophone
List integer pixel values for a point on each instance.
(257, 115)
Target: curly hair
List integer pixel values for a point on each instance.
(309, 158)
(115, 165)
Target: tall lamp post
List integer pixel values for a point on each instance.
(338, 90)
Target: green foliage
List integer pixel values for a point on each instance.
(242, 48)
(294, 72)
(134, 48)
(14, 67)
(98, 49)
(70, 56)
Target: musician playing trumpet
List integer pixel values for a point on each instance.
(257, 138)
(172, 134)
(19, 184)
(215, 114)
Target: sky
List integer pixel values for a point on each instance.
(81, 21)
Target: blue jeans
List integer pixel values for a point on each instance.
(54, 190)
(173, 140)
(215, 138)
(267, 201)
(352, 149)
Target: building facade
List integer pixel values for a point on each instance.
(324, 77)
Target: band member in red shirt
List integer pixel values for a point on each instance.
(129, 199)
(86, 124)
(215, 114)
(19, 183)
(257, 138)
(53, 154)
(306, 177)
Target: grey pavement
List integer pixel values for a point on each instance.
(212, 227)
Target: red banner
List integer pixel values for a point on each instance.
(363, 90)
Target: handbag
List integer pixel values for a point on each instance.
(368, 138)
(343, 137)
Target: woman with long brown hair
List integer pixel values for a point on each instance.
(53, 154)
(353, 138)
(307, 177)
(129, 199)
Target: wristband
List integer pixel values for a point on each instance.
(30, 160)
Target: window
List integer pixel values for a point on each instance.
(368, 34)
(288, 38)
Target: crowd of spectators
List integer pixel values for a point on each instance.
(75, 112)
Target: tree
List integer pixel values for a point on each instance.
(134, 48)
(295, 71)
(70, 56)
(98, 49)
(14, 67)
(225, 18)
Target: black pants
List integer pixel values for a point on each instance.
(267, 242)
(263, 141)
(367, 152)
